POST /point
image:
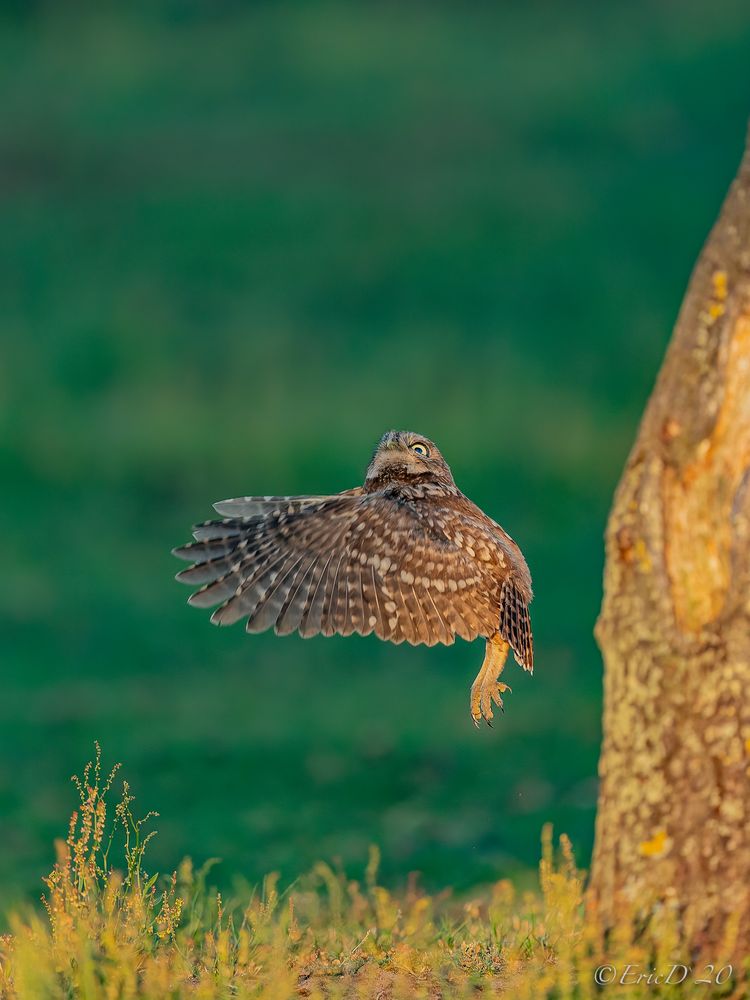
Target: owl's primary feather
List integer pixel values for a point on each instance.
(406, 556)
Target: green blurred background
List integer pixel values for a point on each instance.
(239, 242)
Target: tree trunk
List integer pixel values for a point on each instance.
(673, 825)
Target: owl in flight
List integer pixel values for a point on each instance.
(406, 556)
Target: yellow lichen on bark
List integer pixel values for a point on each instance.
(656, 846)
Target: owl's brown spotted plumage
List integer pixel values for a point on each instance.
(406, 556)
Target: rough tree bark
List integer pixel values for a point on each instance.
(673, 825)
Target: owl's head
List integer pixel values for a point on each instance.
(400, 455)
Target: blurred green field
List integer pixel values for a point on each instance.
(239, 242)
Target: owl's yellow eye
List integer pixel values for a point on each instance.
(421, 449)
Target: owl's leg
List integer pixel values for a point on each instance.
(487, 688)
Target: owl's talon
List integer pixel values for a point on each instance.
(481, 702)
(487, 689)
(499, 690)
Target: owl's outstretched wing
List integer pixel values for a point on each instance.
(351, 562)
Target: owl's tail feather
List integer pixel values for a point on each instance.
(515, 625)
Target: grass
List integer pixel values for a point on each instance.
(111, 929)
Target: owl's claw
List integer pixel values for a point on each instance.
(487, 688)
(482, 696)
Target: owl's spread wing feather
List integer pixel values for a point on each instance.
(351, 562)
(260, 506)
